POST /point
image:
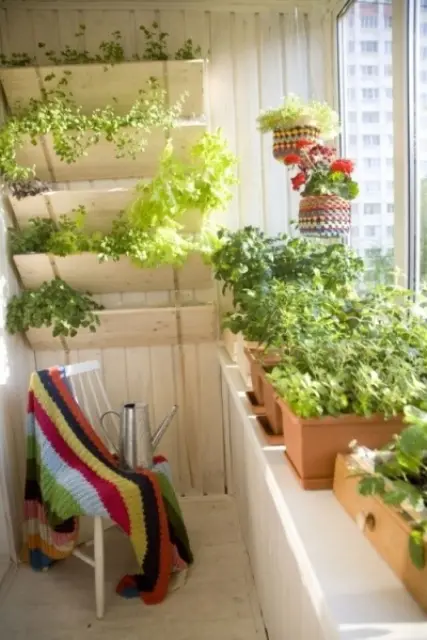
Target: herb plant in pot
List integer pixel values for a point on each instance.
(327, 187)
(296, 124)
(351, 365)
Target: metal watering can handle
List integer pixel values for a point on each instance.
(104, 430)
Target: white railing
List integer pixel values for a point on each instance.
(316, 576)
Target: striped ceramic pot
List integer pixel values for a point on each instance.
(327, 216)
(285, 140)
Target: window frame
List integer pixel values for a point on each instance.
(406, 240)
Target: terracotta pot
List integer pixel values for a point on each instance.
(256, 361)
(284, 140)
(313, 444)
(324, 216)
(271, 405)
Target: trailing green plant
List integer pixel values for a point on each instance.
(358, 353)
(55, 304)
(294, 111)
(203, 184)
(108, 52)
(400, 478)
(74, 132)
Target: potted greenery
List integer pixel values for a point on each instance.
(352, 362)
(252, 266)
(297, 124)
(385, 491)
(327, 187)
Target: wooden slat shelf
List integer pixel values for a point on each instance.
(102, 206)
(137, 328)
(95, 85)
(101, 163)
(85, 273)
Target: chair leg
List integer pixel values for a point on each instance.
(98, 540)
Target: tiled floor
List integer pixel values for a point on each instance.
(218, 601)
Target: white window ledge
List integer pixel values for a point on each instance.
(317, 577)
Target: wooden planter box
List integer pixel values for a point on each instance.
(143, 327)
(100, 161)
(103, 206)
(313, 444)
(84, 272)
(386, 528)
(95, 85)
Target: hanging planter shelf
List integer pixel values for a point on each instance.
(84, 272)
(145, 327)
(102, 207)
(101, 162)
(96, 85)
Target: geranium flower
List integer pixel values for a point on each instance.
(291, 158)
(298, 181)
(343, 166)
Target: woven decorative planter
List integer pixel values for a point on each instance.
(324, 216)
(285, 140)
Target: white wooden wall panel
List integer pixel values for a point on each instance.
(255, 57)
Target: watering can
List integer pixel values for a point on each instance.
(136, 443)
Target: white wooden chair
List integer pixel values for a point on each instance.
(89, 391)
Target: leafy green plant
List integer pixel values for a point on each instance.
(358, 353)
(73, 132)
(400, 478)
(55, 304)
(203, 184)
(248, 258)
(295, 111)
(151, 233)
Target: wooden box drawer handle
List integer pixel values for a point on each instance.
(365, 521)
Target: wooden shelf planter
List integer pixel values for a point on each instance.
(102, 207)
(85, 273)
(385, 527)
(95, 85)
(144, 327)
(101, 163)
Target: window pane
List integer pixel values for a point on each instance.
(366, 113)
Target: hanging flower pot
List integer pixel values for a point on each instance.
(293, 139)
(297, 123)
(324, 216)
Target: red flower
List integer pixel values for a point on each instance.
(343, 166)
(298, 181)
(291, 158)
(322, 150)
(300, 144)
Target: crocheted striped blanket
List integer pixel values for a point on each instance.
(71, 473)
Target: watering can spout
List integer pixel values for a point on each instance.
(162, 428)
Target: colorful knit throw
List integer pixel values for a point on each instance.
(70, 473)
